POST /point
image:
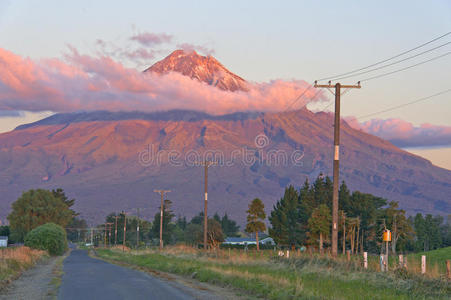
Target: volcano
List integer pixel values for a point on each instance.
(203, 68)
(112, 161)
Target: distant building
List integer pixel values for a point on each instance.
(248, 241)
(3, 241)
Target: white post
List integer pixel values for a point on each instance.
(382, 262)
(365, 260)
(401, 261)
(288, 253)
(423, 264)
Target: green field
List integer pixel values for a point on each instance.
(303, 277)
(435, 259)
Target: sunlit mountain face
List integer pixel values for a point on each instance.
(203, 68)
(112, 161)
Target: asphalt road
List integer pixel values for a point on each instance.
(89, 278)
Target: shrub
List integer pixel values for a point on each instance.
(50, 237)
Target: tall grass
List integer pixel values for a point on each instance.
(13, 261)
(302, 276)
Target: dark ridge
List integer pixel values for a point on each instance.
(171, 115)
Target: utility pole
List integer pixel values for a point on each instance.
(125, 229)
(115, 230)
(110, 225)
(137, 231)
(104, 240)
(338, 88)
(344, 232)
(161, 214)
(206, 164)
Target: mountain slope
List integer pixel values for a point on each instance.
(203, 68)
(113, 161)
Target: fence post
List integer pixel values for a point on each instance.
(365, 260)
(448, 269)
(423, 264)
(382, 262)
(401, 261)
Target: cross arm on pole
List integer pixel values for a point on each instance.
(345, 86)
(206, 163)
(162, 191)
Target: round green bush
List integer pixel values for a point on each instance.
(50, 237)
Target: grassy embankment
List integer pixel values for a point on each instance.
(300, 277)
(15, 260)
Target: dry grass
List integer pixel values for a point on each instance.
(268, 279)
(252, 257)
(13, 261)
(120, 248)
(302, 276)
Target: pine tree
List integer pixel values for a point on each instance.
(398, 224)
(285, 226)
(420, 230)
(255, 219)
(319, 224)
(229, 226)
(433, 231)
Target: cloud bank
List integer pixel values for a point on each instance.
(85, 82)
(404, 134)
(152, 39)
(199, 48)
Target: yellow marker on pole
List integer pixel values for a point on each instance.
(386, 237)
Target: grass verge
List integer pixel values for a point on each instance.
(15, 260)
(57, 274)
(277, 278)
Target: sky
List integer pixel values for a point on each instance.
(278, 46)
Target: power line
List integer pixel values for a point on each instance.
(393, 63)
(325, 107)
(405, 68)
(385, 60)
(299, 97)
(314, 96)
(405, 104)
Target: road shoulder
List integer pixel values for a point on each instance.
(201, 290)
(39, 282)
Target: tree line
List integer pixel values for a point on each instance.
(303, 218)
(175, 229)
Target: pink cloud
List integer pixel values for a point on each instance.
(405, 134)
(84, 82)
(151, 39)
(198, 48)
(140, 53)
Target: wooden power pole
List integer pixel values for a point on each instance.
(115, 230)
(206, 164)
(110, 225)
(105, 234)
(337, 93)
(125, 230)
(161, 214)
(137, 231)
